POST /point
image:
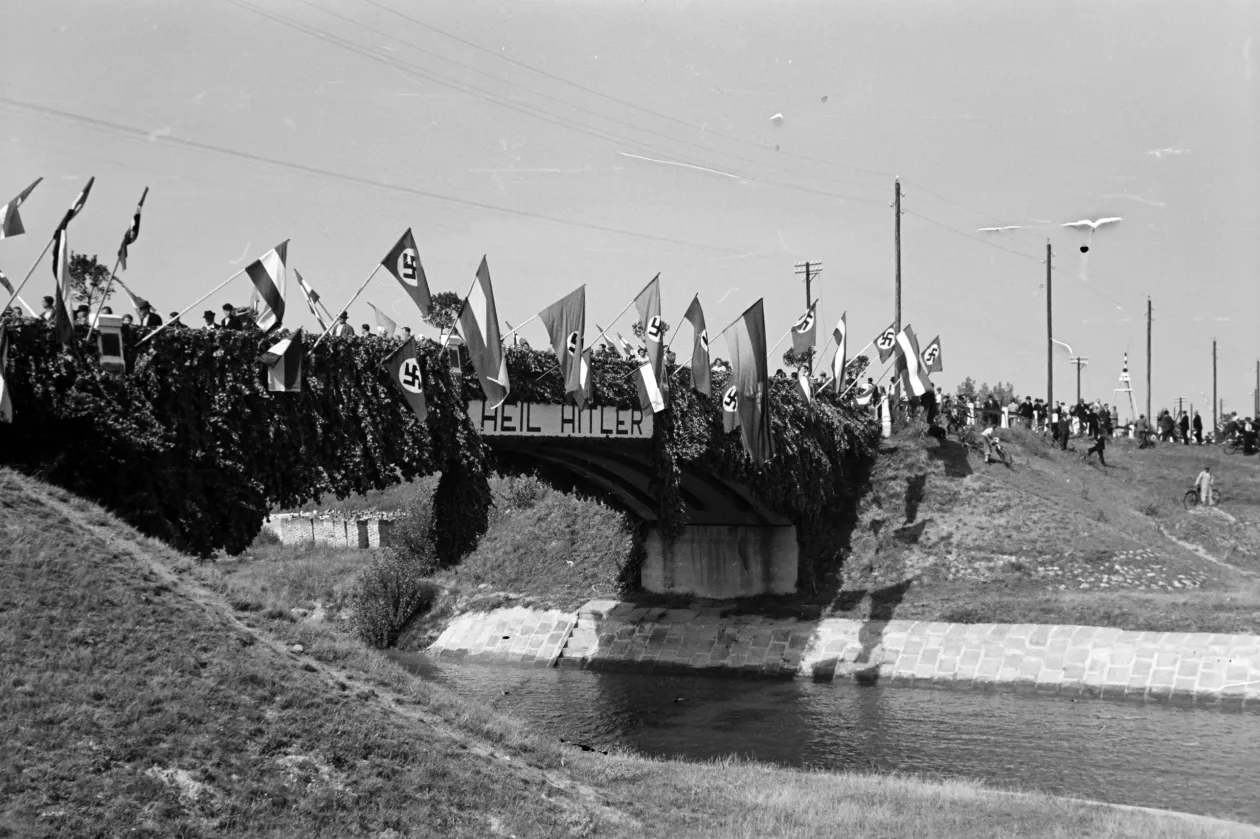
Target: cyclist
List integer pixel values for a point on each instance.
(987, 438)
(1100, 443)
(1203, 484)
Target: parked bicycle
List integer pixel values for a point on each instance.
(1191, 499)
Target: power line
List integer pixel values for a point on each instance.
(140, 134)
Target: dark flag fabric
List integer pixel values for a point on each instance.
(78, 203)
(648, 304)
(566, 326)
(700, 379)
(841, 360)
(311, 299)
(284, 365)
(268, 274)
(750, 382)
(805, 331)
(404, 370)
(588, 381)
(62, 327)
(932, 356)
(479, 327)
(403, 261)
(6, 402)
(914, 377)
(133, 232)
(886, 343)
(10, 220)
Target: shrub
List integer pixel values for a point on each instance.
(389, 593)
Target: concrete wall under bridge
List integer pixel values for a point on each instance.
(722, 561)
(732, 546)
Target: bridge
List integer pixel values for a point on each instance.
(732, 546)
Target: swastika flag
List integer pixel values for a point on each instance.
(403, 261)
(699, 348)
(405, 371)
(886, 343)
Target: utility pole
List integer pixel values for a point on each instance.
(1148, 358)
(1049, 334)
(1215, 417)
(897, 249)
(1256, 412)
(1080, 362)
(810, 270)
(1181, 403)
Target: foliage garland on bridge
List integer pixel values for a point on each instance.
(824, 449)
(190, 447)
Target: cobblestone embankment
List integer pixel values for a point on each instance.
(1189, 668)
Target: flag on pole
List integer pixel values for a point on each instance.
(699, 348)
(627, 348)
(268, 275)
(384, 320)
(608, 342)
(588, 381)
(566, 326)
(311, 299)
(886, 343)
(805, 331)
(405, 371)
(62, 326)
(479, 326)
(403, 261)
(78, 203)
(914, 377)
(6, 402)
(10, 220)
(284, 364)
(133, 232)
(649, 389)
(841, 359)
(749, 393)
(4, 281)
(802, 381)
(932, 356)
(648, 304)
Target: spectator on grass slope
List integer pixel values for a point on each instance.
(1203, 484)
(1100, 445)
(1198, 428)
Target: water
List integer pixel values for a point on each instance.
(1200, 761)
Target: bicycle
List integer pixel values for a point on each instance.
(1191, 499)
(973, 442)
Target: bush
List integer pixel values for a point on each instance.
(389, 593)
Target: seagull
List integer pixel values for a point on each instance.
(1092, 225)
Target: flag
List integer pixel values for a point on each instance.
(6, 403)
(914, 377)
(802, 381)
(932, 356)
(404, 370)
(311, 299)
(805, 331)
(516, 339)
(284, 364)
(384, 320)
(479, 325)
(865, 392)
(749, 392)
(841, 360)
(608, 342)
(699, 348)
(10, 221)
(627, 347)
(649, 389)
(648, 304)
(588, 381)
(566, 326)
(268, 275)
(133, 232)
(62, 326)
(403, 261)
(886, 343)
(78, 204)
(4, 281)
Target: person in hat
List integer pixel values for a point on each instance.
(148, 318)
(208, 317)
(231, 317)
(342, 328)
(176, 323)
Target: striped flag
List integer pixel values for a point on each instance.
(6, 403)
(841, 334)
(403, 261)
(4, 281)
(311, 299)
(62, 327)
(627, 347)
(648, 304)
(649, 390)
(268, 274)
(914, 376)
(284, 364)
(10, 220)
(78, 203)
(133, 232)
(802, 380)
(479, 324)
(405, 371)
(383, 320)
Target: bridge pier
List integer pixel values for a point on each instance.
(722, 561)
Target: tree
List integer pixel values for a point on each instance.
(792, 358)
(967, 390)
(444, 311)
(86, 280)
(854, 370)
(1003, 393)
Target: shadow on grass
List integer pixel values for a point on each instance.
(953, 456)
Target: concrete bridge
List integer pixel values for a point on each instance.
(732, 545)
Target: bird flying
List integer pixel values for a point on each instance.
(1092, 225)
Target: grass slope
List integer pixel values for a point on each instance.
(137, 701)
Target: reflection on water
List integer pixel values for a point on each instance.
(1200, 761)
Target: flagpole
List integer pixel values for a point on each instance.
(615, 319)
(27, 306)
(200, 300)
(348, 305)
(877, 381)
(671, 340)
(105, 296)
(22, 285)
(776, 343)
(462, 304)
(505, 335)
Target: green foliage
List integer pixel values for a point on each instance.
(967, 390)
(792, 358)
(1003, 393)
(390, 592)
(87, 279)
(445, 310)
(192, 448)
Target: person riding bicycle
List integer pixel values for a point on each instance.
(989, 440)
(1203, 484)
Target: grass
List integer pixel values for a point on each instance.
(137, 700)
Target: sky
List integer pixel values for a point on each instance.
(602, 142)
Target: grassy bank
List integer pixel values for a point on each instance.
(146, 695)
